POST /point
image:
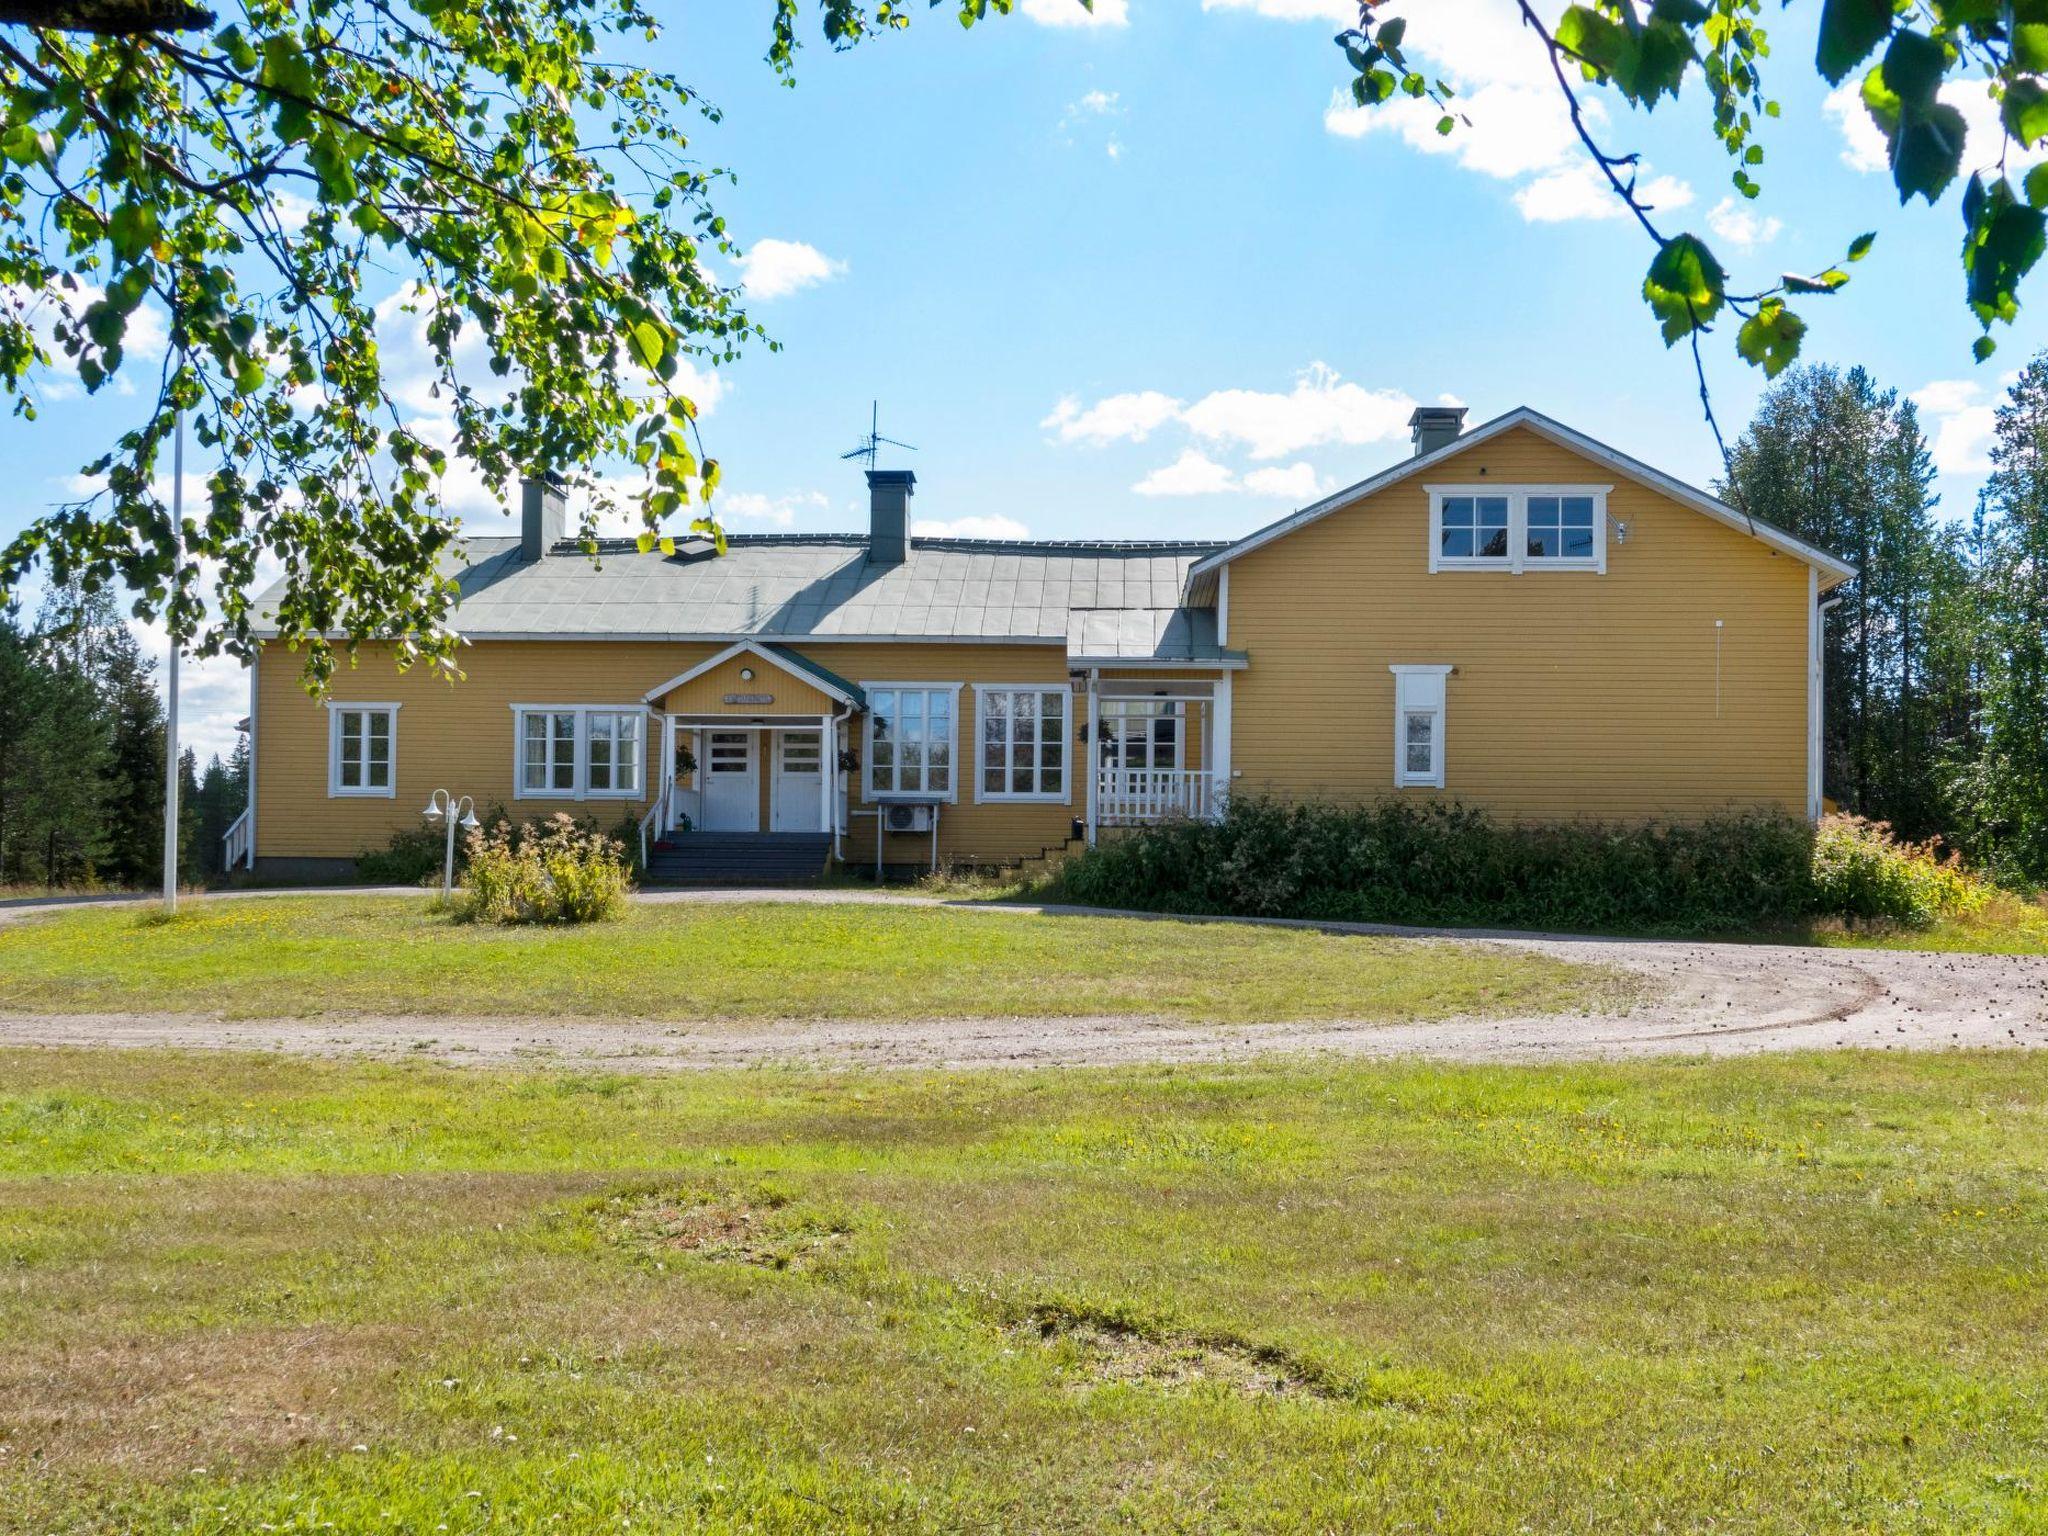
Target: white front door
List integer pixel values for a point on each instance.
(797, 803)
(732, 782)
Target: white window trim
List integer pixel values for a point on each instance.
(335, 788)
(1434, 779)
(951, 796)
(998, 797)
(580, 789)
(1517, 559)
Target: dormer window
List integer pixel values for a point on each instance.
(1518, 528)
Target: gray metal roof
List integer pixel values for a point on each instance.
(1145, 634)
(797, 586)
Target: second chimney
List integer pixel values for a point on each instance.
(889, 493)
(543, 515)
(1435, 426)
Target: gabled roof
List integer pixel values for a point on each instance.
(782, 657)
(1833, 572)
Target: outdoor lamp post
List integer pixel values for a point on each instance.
(460, 813)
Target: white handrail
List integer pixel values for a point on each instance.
(1132, 796)
(238, 843)
(653, 812)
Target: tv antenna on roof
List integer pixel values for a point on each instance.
(871, 444)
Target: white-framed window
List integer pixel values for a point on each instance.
(910, 740)
(1023, 731)
(1419, 725)
(578, 751)
(1139, 734)
(1518, 527)
(362, 750)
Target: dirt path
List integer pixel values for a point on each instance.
(1710, 999)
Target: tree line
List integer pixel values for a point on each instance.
(82, 756)
(1937, 654)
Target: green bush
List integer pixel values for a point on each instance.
(1445, 865)
(559, 873)
(414, 856)
(1440, 864)
(1862, 872)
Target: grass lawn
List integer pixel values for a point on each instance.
(286, 957)
(1784, 1294)
(2009, 925)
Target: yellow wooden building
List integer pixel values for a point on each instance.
(1517, 618)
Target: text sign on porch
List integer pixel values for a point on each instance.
(750, 698)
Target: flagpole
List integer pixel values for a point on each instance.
(171, 671)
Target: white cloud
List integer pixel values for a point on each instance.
(1514, 122)
(1863, 145)
(1296, 483)
(968, 528)
(1094, 104)
(1321, 408)
(1343, 13)
(1581, 192)
(1192, 474)
(142, 344)
(753, 507)
(1736, 222)
(1112, 418)
(774, 268)
(1071, 13)
(1964, 425)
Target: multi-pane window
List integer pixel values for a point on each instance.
(1518, 527)
(1474, 528)
(910, 739)
(1419, 725)
(362, 742)
(1140, 733)
(1023, 743)
(613, 751)
(547, 752)
(576, 751)
(1559, 528)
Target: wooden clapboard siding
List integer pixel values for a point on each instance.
(1576, 694)
(459, 735)
(706, 693)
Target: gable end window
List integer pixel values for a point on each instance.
(578, 752)
(1023, 735)
(1518, 527)
(1419, 726)
(910, 740)
(362, 750)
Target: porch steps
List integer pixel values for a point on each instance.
(738, 858)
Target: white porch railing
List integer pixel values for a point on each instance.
(1126, 797)
(238, 843)
(670, 806)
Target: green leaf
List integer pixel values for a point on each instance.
(1849, 29)
(1391, 31)
(1860, 246)
(2025, 110)
(2030, 46)
(2037, 186)
(2007, 238)
(133, 230)
(1824, 282)
(1982, 348)
(1913, 69)
(1685, 287)
(1927, 152)
(1770, 338)
(1445, 124)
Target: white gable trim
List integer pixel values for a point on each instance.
(748, 647)
(1833, 572)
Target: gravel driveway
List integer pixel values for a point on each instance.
(1702, 999)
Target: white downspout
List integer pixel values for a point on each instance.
(1092, 756)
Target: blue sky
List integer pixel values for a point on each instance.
(1148, 276)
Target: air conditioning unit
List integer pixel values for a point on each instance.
(909, 818)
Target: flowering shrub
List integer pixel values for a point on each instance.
(559, 873)
(1861, 871)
